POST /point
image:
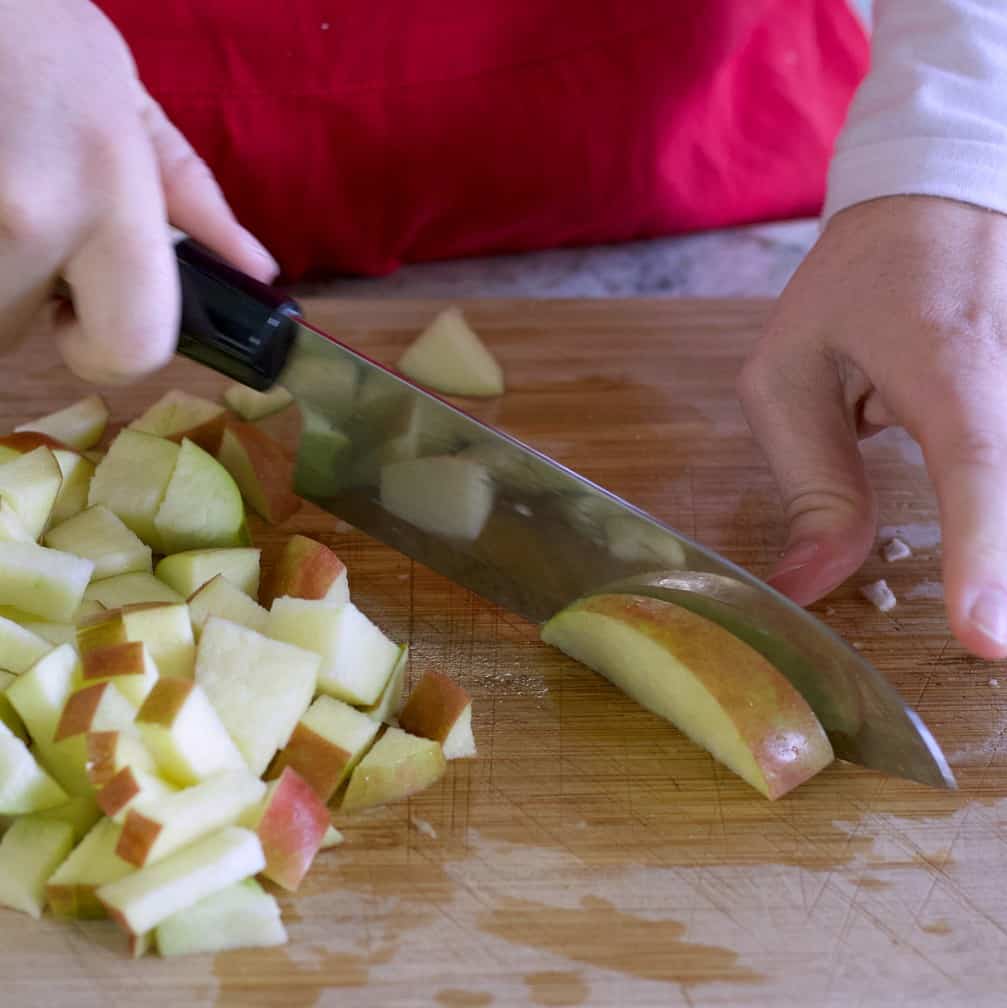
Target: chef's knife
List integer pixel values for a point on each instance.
(509, 523)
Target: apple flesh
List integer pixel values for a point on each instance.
(218, 597)
(71, 889)
(439, 709)
(98, 707)
(164, 628)
(306, 569)
(76, 472)
(243, 915)
(81, 812)
(31, 850)
(128, 666)
(79, 426)
(188, 571)
(8, 715)
(332, 838)
(11, 527)
(716, 689)
(140, 901)
(24, 785)
(386, 708)
(130, 589)
(19, 647)
(449, 357)
(251, 404)
(258, 686)
(131, 787)
(42, 581)
(109, 752)
(177, 415)
(261, 469)
(30, 483)
(397, 766)
(100, 536)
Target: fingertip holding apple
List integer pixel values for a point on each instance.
(978, 618)
(809, 569)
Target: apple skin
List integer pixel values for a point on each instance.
(305, 569)
(436, 704)
(22, 442)
(261, 469)
(756, 722)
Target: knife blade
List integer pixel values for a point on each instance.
(510, 524)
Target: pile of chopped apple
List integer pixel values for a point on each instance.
(175, 736)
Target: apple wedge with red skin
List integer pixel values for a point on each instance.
(439, 709)
(712, 686)
(306, 569)
(262, 470)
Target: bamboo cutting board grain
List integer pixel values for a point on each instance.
(591, 855)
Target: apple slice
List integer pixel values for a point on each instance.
(11, 527)
(153, 829)
(99, 707)
(439, 709)
(716, 689)
(290, 821)
(388, 705)
(251, 404)
(24, 785)
(76, 472)
(45, 582)
(218, 597)
(332, 838)
(100, 536)
(8, 715)
(241, 916)
(185, 572)
(449, 357)
(30, 483)
(19, 647)
(131, 787)
(109, 752)
(261, 469)
(31, 850)
(306, 569)
(132, 478)
(142, 900)
(71, 890)
(326, 745)
(177, 415)
(202, 505)
(259, 687)
(397, 766)
(131, 589)
(184, 733)
(164, 628)
(79, 426)
(81, 812)
(445, 495)
(128, 666)
(357, 658)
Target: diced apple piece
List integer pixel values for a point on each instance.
(397, 766)
(79, 426)
(357, 658)
(30, 484)
(259, 687)
(31, 850)
(185, 572)
(261, 469)
(42, 581)
(218, 597)
(332, 838)
(110, 752)
(76, 472)
(131, 589)
(13, 445)
(638, 541)
(326, 383)
(132, 478)
(439, 709)
(243, 915)
(184, 733)
(449, 357)
(102, 537)
(11, 527)
(20, 648)
(326, 745)
(128, 666)
(290, 821)
(445, 495)
(202, 505)
(81, 812)
(142, 900)
(100, 707)
(8, 715)
(324, 456)
(71, 890)
(306, 569)
(131, 787)
(386, 708)
(177, 415)
(24, 785)
(164, 628)
(251, 404)
(715, 688)
(155, 829)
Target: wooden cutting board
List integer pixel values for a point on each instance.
(591, 855)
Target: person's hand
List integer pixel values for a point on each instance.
(898, 316)
(90, 172)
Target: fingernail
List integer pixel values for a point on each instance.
(795, 557)
(260, 250)
(989, 614)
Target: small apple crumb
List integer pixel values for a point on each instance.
(424, 827)
(895, 549)
(994, 683)
(879, 595)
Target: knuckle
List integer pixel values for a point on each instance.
(27, 218)
(186, 169)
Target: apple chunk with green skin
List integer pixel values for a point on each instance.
(397, 766)
(712, 686)
(259, 687)
(24, 785)
(71, 890)
(357, 658)
(31, 850)
(130, 589)
(142, 900)
(306, 569)
(326, 745)
(187, 571)
(218, 597)
(79, 426)
(177, 415)
(164, 628)
(439, 709)
(202, 505)
(43, 581)
(30, 483)
(128, 666)
(242, 916)
(100, 536)
(76, 472)
(261, 469)
(184, 733)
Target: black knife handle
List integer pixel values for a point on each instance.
(230, 322)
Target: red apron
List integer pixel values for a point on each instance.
(356, 135)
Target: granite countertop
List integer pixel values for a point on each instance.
(754, 261)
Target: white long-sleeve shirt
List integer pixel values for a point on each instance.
(930, 118)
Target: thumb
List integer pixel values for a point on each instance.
(795, 406)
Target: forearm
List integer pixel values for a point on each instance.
(931, 116)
